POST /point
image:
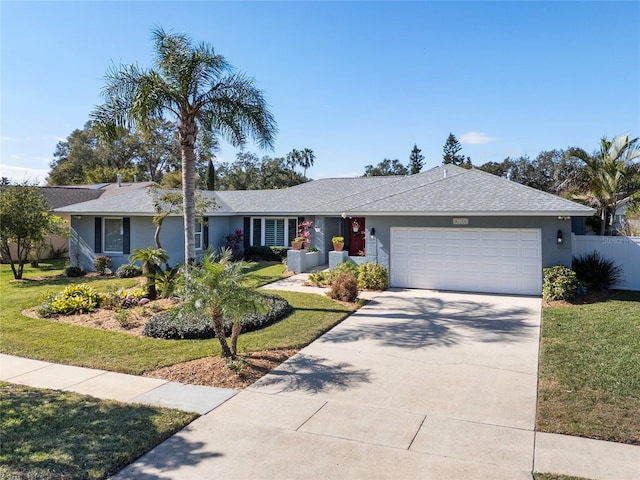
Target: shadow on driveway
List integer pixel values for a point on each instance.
(418, 322)
(174, 453)
(313, 374)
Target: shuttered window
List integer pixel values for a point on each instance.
(198, 235)
(272, 232)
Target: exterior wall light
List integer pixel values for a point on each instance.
(559, 238)
(373, 232)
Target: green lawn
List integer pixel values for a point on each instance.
(75, 345)
(589, 383)
(50, 434)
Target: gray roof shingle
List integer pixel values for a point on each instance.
(443, 190)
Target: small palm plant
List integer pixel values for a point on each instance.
(217, 285)
(152, 260)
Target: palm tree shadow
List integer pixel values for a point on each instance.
(170, 455)
(313, 374)
(427, 322)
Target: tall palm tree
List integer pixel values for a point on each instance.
(303, 158)
(201, 91)
(608, 175)
(217, 286)
(307, 157)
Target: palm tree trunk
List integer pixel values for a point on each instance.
(235, 333)
(218, 329)
(187, 133)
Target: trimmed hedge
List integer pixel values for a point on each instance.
(265, 254)
(177, 323)
(560, 283)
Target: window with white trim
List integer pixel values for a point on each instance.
(273, 232)
(113, 235)
(198, 235)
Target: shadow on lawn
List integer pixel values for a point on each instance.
(314, 374)
(423, 322)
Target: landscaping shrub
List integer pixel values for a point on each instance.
(560, 283)
(265, 254)
(180, 324)
(165, 281)
(119, 299)
(101, 263)
(595, 272)
(344, 287)
(372, 276)
(74, 272)
(320, 278)
(73, 299)
(128, 270)
(326, 278)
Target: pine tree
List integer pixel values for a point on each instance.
(416, 160)
(451, 149)
(210, 176)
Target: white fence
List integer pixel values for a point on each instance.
(624, 251)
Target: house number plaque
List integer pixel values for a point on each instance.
(461, 221)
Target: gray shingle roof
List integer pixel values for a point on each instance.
(443, 190)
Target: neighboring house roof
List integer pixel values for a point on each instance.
(444, 190)
(62, 196)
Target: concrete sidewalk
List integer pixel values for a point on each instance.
(111, 385)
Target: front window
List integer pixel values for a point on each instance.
(273, 232)
(198, 235)
(113, 235)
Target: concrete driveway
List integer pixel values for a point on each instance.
(417, 384)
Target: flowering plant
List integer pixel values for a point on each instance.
(304, 231)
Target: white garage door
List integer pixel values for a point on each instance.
(489, 260)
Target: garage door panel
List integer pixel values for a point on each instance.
(483, 260)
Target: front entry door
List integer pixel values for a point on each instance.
(356, 236)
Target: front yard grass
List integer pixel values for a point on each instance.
(52, 434)
(589, 379)
(76, 345)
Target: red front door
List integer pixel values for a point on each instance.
(356, 236)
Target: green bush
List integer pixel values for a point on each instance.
(326, 278)
(73, 299)
(595, 272)
(101, 263)
(180, 324)
(74, 272)
(560, 283)
(265, 254)
(320, 278)
(128, 270)
(372, 276)
(344, 287)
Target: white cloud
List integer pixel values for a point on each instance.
(5, 138)
(476, 138)
(20, 174)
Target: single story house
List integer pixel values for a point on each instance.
(62, 196)
(446, 228)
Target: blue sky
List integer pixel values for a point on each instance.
(356, 82)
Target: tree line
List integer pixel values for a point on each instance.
(154, 155)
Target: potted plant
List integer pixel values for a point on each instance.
(297, 242)
(338, 243)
